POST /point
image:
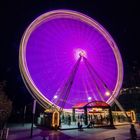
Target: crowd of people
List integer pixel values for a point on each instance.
(80, 120)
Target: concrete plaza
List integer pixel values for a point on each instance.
(20, 132)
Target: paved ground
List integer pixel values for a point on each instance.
(20, 132)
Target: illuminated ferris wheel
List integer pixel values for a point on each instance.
(67, 58)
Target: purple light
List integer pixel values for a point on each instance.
(50, 48)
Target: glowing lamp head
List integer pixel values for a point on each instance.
(107, 93)
(55, 97)
(89, 98)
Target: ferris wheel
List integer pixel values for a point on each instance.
(67, 58)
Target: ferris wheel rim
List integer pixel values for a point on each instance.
(74, 14)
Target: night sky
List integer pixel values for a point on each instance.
(120, 18)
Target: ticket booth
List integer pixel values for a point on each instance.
(49, 119)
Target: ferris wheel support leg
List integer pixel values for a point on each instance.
(93, 79)
(97, 75)
(92, 68)
(73, 115)
(64, 93)
(120, 107)
(86, 117)
(111, 118)
(70, 82)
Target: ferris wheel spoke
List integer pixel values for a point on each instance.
(88, 90)
(85, 88)
(91, 88)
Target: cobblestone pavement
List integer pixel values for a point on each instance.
(20, 132)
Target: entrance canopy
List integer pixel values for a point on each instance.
(91, 105)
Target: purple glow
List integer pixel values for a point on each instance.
(53, 48)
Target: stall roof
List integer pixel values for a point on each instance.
(91, 104)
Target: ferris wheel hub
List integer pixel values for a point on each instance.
(80, 53)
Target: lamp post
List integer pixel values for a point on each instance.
(33, 116)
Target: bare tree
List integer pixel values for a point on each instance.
(5, 105)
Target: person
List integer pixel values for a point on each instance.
(133, 132)
(92, 121)
(79, 126)
(69, 120)
(91, 124)
(60, 122)
(139, 123)
(101, 119)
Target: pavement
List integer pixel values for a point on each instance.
(20, 132)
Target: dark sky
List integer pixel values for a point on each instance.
(120, 18)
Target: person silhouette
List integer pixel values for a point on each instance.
(133, 132)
